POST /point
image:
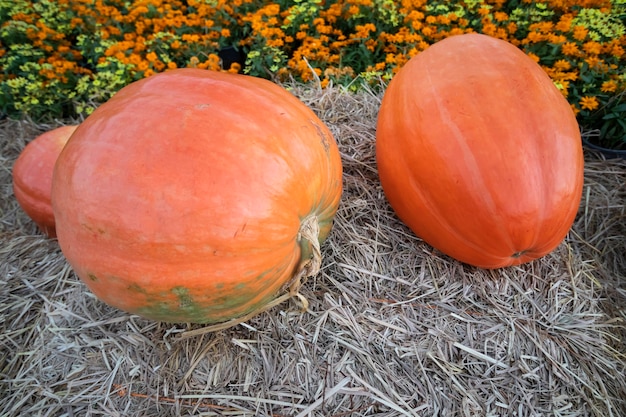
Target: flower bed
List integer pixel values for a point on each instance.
(61, 58)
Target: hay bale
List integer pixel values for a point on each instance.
(393, 328)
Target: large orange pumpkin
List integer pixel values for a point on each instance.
(32, 176)
(479, 153)
(184, 198)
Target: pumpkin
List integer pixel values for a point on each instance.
(196, 196)
(32, 176)
(478, 153)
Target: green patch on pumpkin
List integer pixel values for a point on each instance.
(184, 299)
(186, 309)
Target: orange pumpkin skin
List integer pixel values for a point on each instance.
(479, 153)
(32, 176)
(181, 198)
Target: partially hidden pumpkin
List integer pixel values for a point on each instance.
(479, 153)
(32, 176)
(186, 196)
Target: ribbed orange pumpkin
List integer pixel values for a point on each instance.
(479, 153)
(184, 197)
(32, 176)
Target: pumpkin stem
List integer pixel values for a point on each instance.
(311, 257)
(310, 263)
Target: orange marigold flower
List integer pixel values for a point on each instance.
(592, 47)
(143, 65)
(608, 86)
(593, 61)
(500, 16)
(557, 39)
(533, 57)
(535, 37)
(617, 51)
(443, 19)
(589, 103)
(543, 27)
(511, 27)
(570, 49)
(564, 23)
(456, 31)
(562, 65)
(489, 29)
(190, 38)
(235, 67)
(277, 43)
(135, 59)
(416, 24)
(580, 33)
(427, 31)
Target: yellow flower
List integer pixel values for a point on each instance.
(589, 103)
(562, 86)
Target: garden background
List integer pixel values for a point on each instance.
(393, 328)
(61, 58)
